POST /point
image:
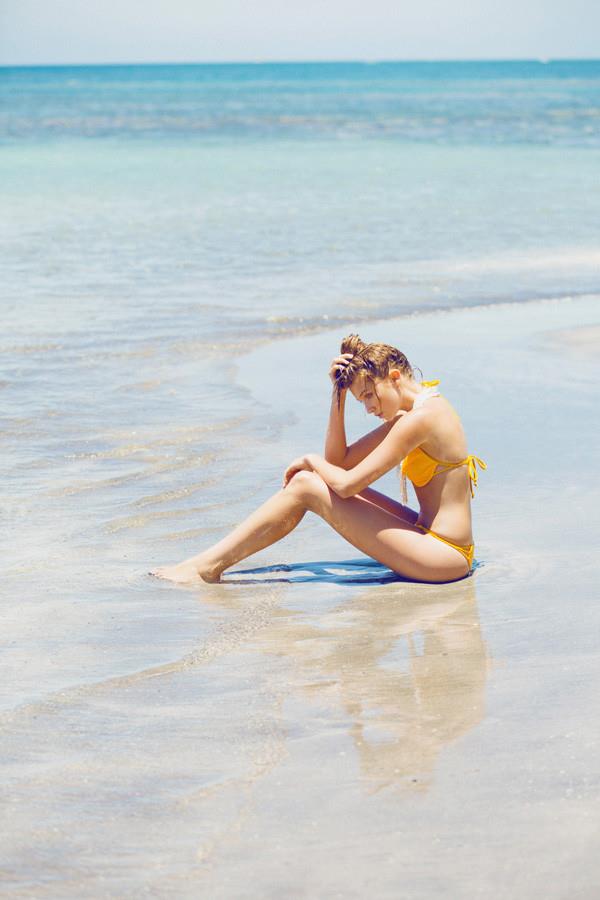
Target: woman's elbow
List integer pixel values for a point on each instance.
(336, 459)
(345, 490)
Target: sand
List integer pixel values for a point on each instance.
(583, 340)
(313, 732)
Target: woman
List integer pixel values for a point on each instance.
(420, 429)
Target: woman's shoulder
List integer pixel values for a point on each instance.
(440, 424)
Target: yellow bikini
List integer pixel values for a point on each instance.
(420, 468)
(467, 550)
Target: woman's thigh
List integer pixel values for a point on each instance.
(392, 506)
(380, 534)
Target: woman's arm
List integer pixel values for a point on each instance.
(337, 450)
(361, 448)
(403, 436)
(335, 439)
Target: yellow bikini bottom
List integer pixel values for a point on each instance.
(467, 550)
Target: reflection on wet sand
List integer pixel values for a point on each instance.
(412, 694)
(406, 662)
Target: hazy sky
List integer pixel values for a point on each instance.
(76, 31)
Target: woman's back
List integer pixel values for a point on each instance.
(441, 472)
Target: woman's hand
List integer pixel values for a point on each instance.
(298, 465)
(338, 365)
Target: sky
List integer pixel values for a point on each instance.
(36, 32)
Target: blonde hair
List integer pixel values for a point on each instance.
(371, 360)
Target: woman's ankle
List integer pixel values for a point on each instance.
(207, 569)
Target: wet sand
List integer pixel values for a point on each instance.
(315, 729)
(585, 339)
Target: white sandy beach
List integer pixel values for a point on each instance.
(311, 732)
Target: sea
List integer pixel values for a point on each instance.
(181, 249)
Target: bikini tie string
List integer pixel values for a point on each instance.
(472, 463)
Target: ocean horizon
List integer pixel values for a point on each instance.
(366, 61)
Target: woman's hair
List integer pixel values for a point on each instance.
(373, 360)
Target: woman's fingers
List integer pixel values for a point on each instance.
(296, 466)
(289, 475)
(338, 364)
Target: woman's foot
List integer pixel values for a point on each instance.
(189, 571)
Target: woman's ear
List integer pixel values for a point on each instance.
(394, 374)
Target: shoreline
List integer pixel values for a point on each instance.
(346, 324)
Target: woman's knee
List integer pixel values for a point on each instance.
(308, 486)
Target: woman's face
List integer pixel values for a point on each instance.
(379, 396)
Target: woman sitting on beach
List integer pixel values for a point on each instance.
(420, 429)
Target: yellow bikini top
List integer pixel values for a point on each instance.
(420, 467)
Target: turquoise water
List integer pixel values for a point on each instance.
(465, 102)
(274, 195)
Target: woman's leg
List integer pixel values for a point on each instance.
(267, 525)
(393, 506)
(377, 532)
(381, 534)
